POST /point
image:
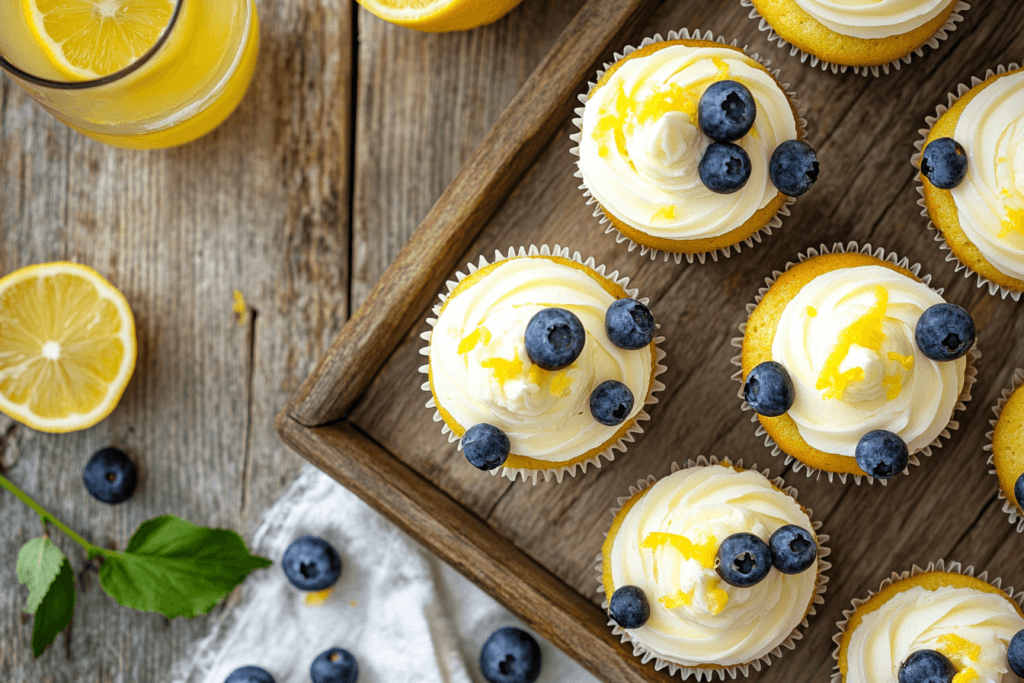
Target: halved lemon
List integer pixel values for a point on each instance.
(88, 39)
(67, 346)
(440, 15)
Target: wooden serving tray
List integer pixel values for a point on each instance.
(361, 417)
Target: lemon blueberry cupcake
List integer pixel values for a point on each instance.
(853, 364)
(859, 33)
(711, 568)
(541, 362)
(690, 147)
(933, 626)
(972, 172)
(1006, 446)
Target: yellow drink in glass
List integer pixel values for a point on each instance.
(142, 74)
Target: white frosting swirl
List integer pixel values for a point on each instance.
(640, 145)
(922, 619)
(706, 505)
(882, 380)
(490, 378)
(990, 200)
(871, 19)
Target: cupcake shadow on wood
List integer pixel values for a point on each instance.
(540, 363)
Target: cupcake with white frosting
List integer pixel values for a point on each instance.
(859, 34)
(540, 363)
(940, 623)
(712, 569)
(854, 365)
(690, 147)
(972, 179)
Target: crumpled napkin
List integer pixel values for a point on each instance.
(406, 616)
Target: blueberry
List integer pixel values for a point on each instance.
(944, 163)
(793, 168)
(926, 666)
(1018, 491)
(611, 403)
(1015, 653)
(510, 655)
(555, 338)
(311, 564)
(725, 168)
(629, 607)
(945, 332)
(249, 674)
(743, 560)
(726, 111)
(769, 389)
(882, 454)
(485, 446)
(629, 324)
(110, 476)
(334, 666)
(793, 548)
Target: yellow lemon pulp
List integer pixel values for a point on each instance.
(865, 331)
(440, 15)
(89, 39)
(704, 552)
(680, 599)
(67, 346)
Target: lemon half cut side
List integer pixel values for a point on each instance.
(67, 346)
(440, 15)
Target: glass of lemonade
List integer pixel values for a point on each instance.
(142, 74)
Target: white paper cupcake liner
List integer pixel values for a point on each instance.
(915, 160)
(555, 471)
(774, 224)
(732, 672)
(933, 42)
(937, 566)
(970, 376)
(1009, 506)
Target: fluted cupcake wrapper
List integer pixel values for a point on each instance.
(970, 375)
(556, 471)
(774, 224)
(710, 671)
(937, 566)
(815, 61)
(1009, 506)
(915, 161)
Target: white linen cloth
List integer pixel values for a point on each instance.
(405, 615)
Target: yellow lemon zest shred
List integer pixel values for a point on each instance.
(537, 375)
(704, 552)
(866, 331)
(1014, 222)
(240, 308)
(717, 599)
(480, 334)
(906, 361)
(812, 312)
(318, 598)
(893, 385)
(966, 676)
(953, 645)
(504, 369)
(665, 213)
(560, 384)
(678, 600)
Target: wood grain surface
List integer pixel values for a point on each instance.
(864, 130)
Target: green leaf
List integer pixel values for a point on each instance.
(176, 568)
(55, 610)
(39, 562)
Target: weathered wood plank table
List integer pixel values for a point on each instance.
(352, 129)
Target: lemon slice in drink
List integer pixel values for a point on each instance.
(440, 15)
(87, 39)
(67, 346)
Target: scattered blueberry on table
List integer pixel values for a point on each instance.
(944, 163)
(611, 403)
(334, 666)
(793, 549)
(743, 560)
(486, 447)
(629, 324)
(726, 111)
(629, 607)
(510, 655)
(110, 476)
(926, 666)
(555, 338)
(882, 454)
(945, 332)
(249, 674)
(724, 168)
(311, 564)
(769, 389)
(793, 168)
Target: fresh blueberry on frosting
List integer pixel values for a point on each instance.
(726, 111)
(882, 454)
(944, 163)
(486, 447)
(555, 338)
(1018, 491)
(743, 560)
(927, 666)
(629, 324)
(793, 168)
(629, 607)
(611, 403)
(724, 168)
(794, 549)
(769, 389)
(945, 332)
(1015, 653)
